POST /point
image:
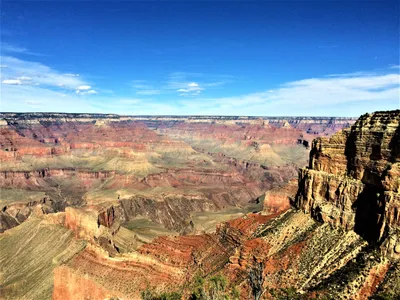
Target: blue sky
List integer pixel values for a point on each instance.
(271, 58)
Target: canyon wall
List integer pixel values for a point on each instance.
(353, 180)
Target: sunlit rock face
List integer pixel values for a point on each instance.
(281, 198)
(354, 177)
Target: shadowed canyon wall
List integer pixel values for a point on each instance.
(353, 180)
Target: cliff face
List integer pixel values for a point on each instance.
(353, 180)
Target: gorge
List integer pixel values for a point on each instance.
(129, 207)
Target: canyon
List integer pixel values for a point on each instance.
(147, 207)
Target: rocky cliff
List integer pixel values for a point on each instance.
(353, 180)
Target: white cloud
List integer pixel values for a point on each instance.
(394, 67)
(193, 84)
(71, 74)
(192, 89)
(8, 48)
(83, 87)
(316, 96)
(185, 84)
(38, 73)
(353, 74)
(33, 86)
(18, 98)
(11, 81)
(3, 66)
(345, 95)
(25, 78)
(86, 92)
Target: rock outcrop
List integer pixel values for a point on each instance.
(353, 180)
(280, 199)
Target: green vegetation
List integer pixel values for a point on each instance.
(290, 293)
(206, 221)
(285, 294)
(147, 230)
(215, 288)
(19, 195)
(147, 294)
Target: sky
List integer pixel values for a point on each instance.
(256, 58)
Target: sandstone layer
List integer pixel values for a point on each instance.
(353, 180)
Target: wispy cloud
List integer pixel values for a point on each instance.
(141, 84)
(192, 89)
(338, 95)
(34, 73)
(27, 85)
(89, 92)
(148, 92)
(144, 88)
(181, 83)
(36, 98)
(193, 84)
(33, 86)
(311, 96)
(354, 74)
(72, 74)
(12, 49)
(394, 67)
(11, 81)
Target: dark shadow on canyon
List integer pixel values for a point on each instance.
(368, 208)
(395, 146)
(350, 151)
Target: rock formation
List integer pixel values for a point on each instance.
(353, 180)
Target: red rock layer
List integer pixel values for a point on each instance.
(103, 276)
(280, 198)
(233, 133)
(48, 139)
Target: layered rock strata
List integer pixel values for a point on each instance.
(353, 180)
